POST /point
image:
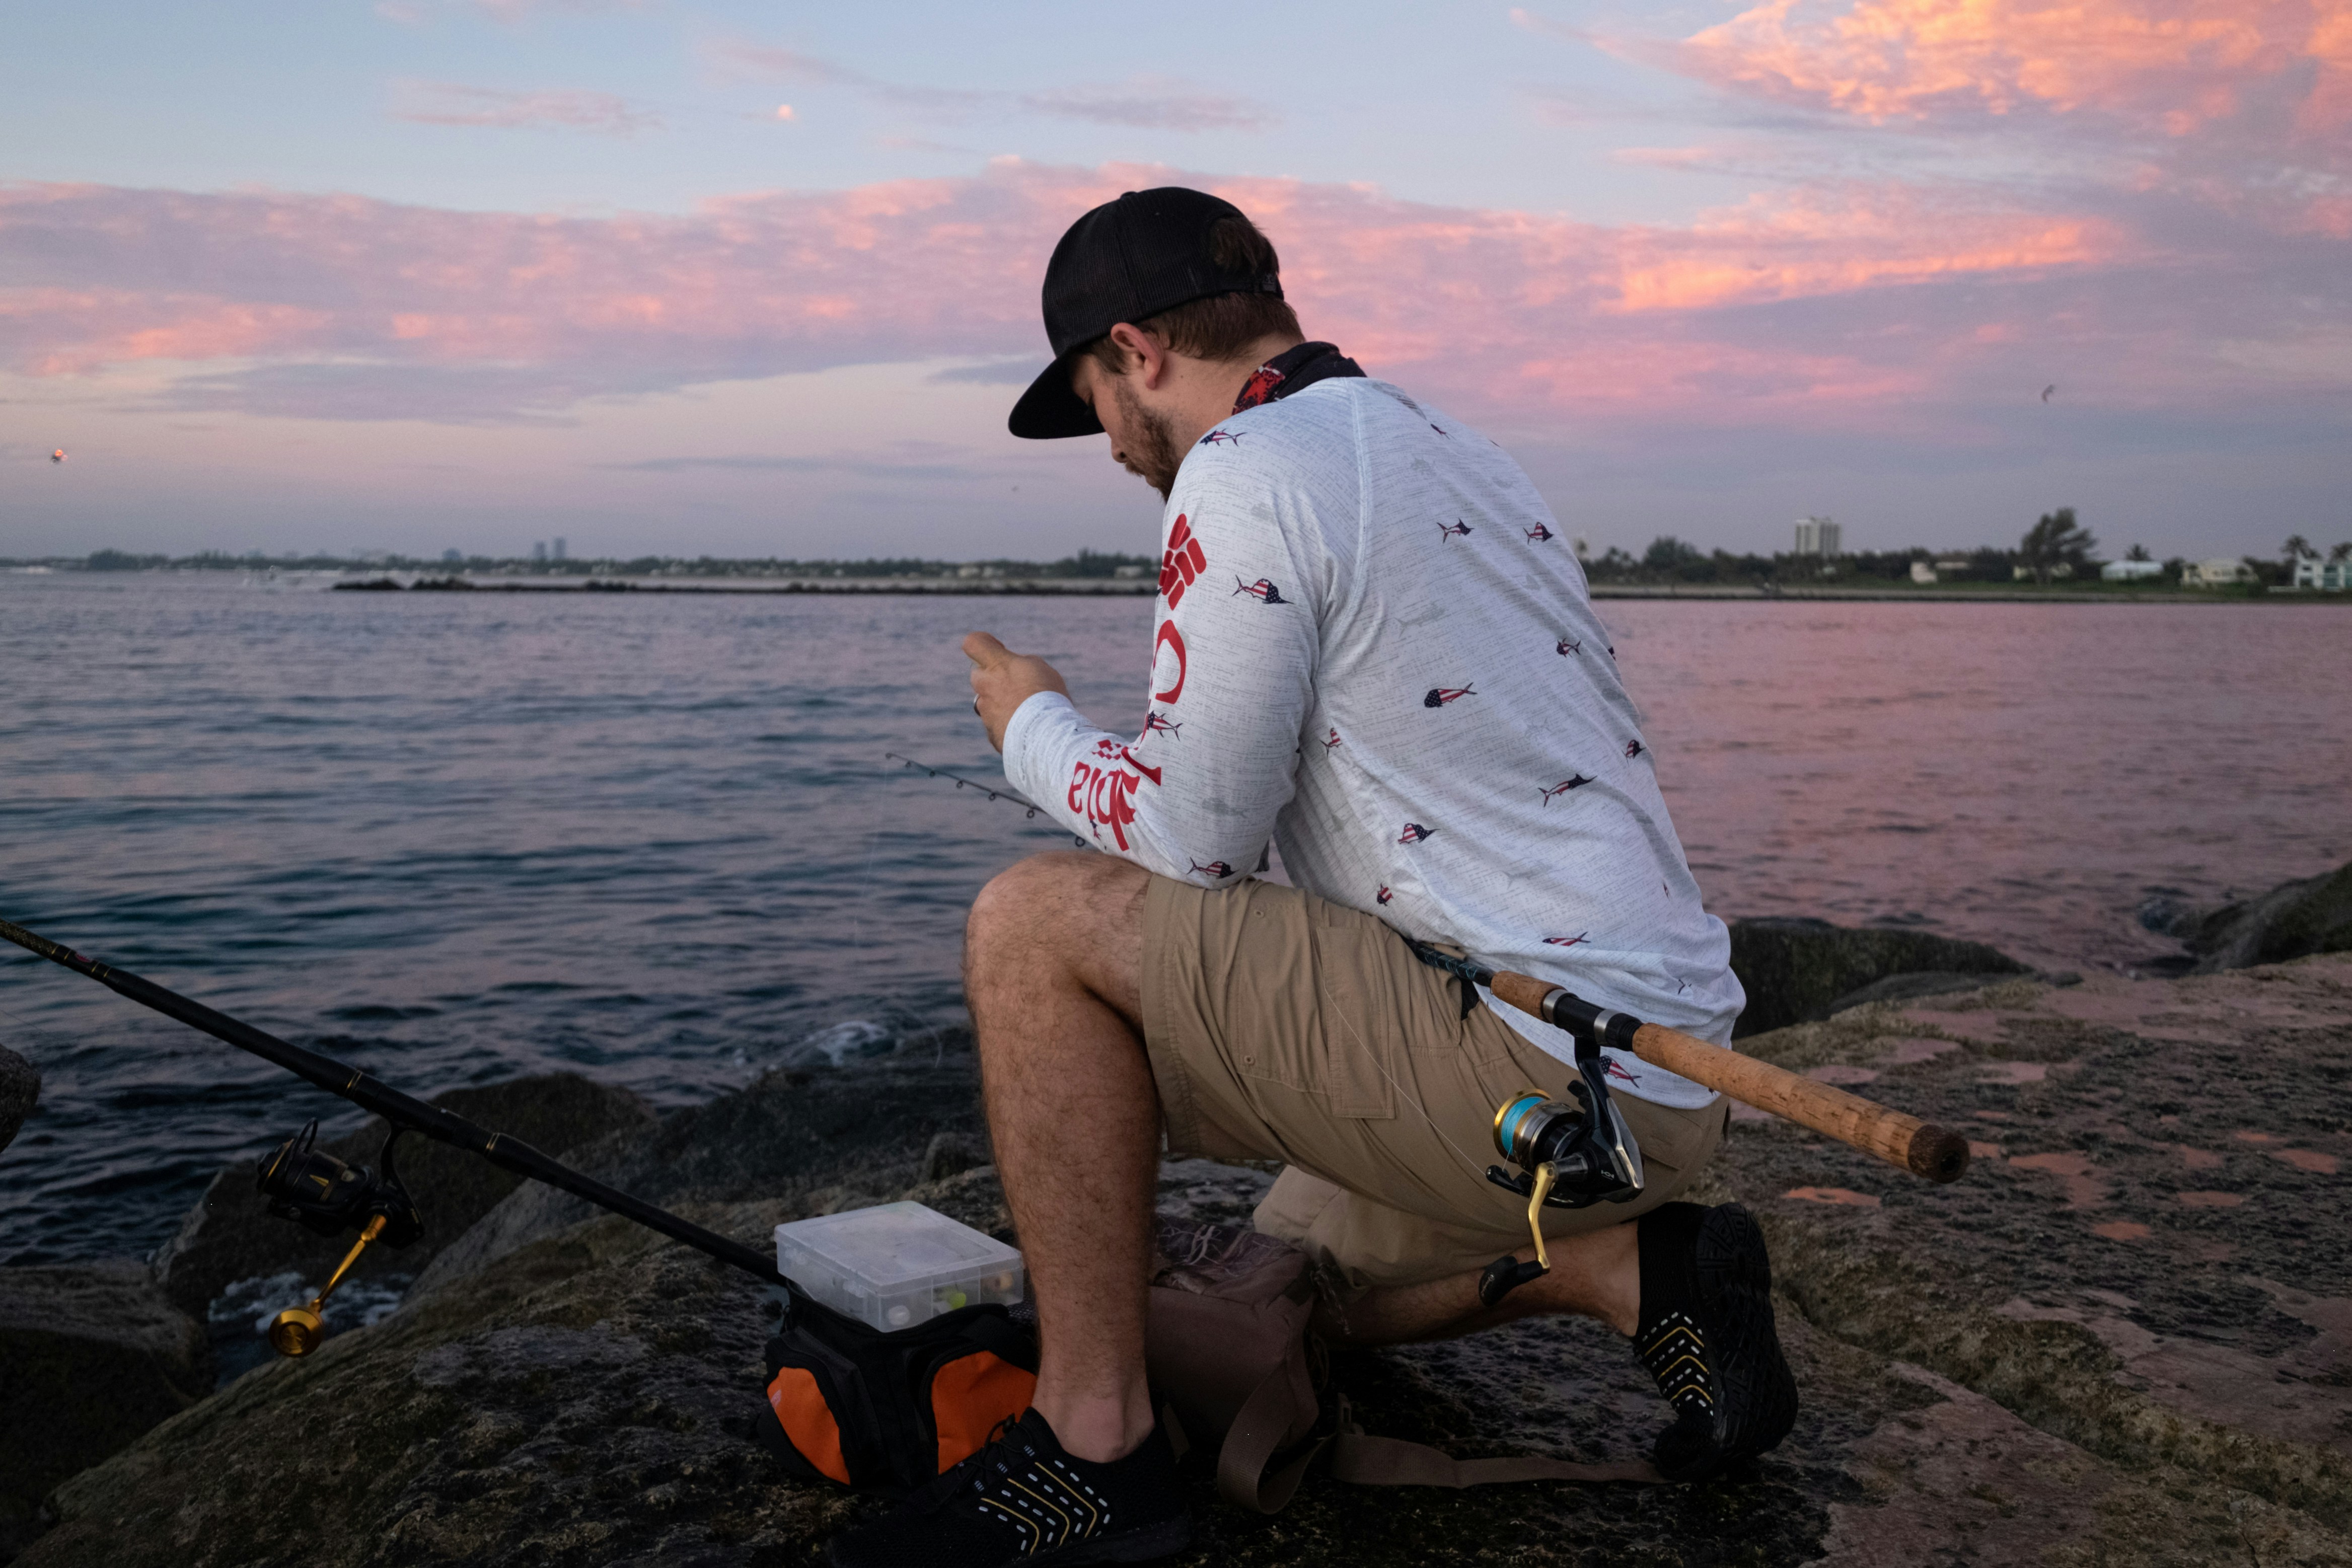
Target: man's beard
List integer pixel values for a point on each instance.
(1149, 452)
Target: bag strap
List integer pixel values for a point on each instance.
(1271, 1410)
(1366, 1460)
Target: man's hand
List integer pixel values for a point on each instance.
(1002, 680)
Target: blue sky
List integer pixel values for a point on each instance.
(443, 273)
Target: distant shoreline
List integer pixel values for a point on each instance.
(415, 580)
(1098, 588)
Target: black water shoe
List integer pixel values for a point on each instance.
(1023, 1499)
(1706, 1333)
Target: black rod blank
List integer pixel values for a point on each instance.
(400, 1110)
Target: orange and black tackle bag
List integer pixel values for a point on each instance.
(890, 1411)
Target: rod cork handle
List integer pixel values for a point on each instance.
(1936, 1153)
(1920, 1148)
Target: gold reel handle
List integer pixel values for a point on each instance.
(297, 1331)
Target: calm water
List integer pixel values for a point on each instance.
(457, 839)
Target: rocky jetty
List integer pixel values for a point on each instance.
(2126, 1336)
(95, 1354)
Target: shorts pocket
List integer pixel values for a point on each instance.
(1327, 1028)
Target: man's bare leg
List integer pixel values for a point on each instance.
(1053, 961)
(1594, 1275)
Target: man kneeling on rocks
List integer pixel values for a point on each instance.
(1373, 650)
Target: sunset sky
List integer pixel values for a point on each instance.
(747, 279)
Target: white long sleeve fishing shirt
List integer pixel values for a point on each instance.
(1372, 648)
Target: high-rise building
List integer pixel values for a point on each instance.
(539, 550)
(452, 556)
(559, 547)
(1818, 536)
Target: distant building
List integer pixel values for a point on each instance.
(1922, 572)
(1130, 571)
(452, 556)
(539, 550)
(2219, 572)
(1819, 536)
(558, 551)
(2326, 576)
(1954, 566)
(2130, 570)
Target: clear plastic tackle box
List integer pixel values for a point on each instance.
(897, 1264)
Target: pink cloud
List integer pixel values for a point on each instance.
(341, 306)
(2171, 66)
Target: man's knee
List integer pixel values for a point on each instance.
(1071, 909)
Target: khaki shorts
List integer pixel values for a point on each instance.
(1285, 1027)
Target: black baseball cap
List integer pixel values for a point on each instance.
(1125, 261)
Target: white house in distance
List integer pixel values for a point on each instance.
(2130, 570)
(2328, 576)
(2219, 572)
(1819, 536)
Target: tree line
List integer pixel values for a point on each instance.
(2057, 547)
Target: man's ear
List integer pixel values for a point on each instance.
(1146, 356)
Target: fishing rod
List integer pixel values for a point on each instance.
(994, 792)
(1920, 1148)
(329, 1196)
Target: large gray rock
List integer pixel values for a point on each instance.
(788, 1134)
(20, 1090)
(91, 1355)
(229, 1235)
(2291, 921)
(1796, 971)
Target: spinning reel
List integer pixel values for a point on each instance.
(304, 1183)
(1569, 1156)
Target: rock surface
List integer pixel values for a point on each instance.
(2125, 1337)
(91, 1354)
(20, 1090)
(2291, 921)
(229, 1235)
(1797, 970)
